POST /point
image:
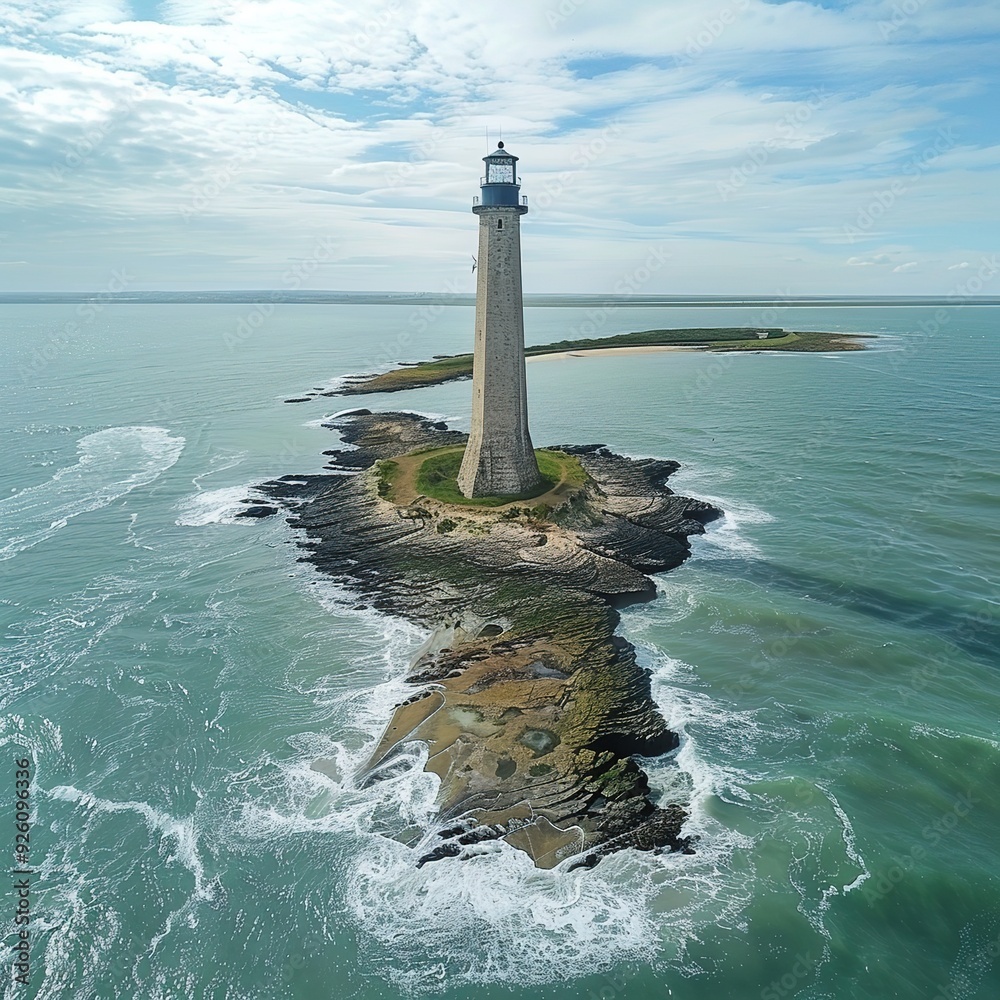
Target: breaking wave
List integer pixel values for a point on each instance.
(111, 463)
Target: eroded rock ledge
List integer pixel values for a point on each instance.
(532, 708)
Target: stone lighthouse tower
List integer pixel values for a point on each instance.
(499, 459)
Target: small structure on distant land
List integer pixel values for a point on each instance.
(499, 458)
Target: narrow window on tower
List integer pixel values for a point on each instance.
(499, 223)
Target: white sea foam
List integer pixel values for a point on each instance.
(493, 917)
(427, 416)
(53, 637)
(676, 600)
(85, 927)
(850, 844)
(111, 463)
(37, 737)
(214, 506)
(711, 732)
(220, 461)
(181, 833)
(922, 729)
(337, 381)
(687, 710)
(725, 538)
(325, 421)
(488, 918)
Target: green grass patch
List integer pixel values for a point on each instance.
(414, 376)
(558, 466)
(385, 472)
(437, 477)
(694, 337)
(802, 342)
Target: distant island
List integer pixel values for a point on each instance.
(459, 366)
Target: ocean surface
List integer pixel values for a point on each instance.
(829, 656)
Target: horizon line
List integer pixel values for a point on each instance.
(332, 296)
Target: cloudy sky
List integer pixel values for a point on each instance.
(756, 147)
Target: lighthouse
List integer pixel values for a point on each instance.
(499, 459)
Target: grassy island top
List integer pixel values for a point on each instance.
(447, 369)
(434, 474)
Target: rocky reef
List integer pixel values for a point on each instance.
(533, 710)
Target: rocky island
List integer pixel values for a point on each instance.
(516, 560)
(532, 708)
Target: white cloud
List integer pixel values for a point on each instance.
(246, 131)
(885, 257)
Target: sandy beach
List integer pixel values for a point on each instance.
(602, 351)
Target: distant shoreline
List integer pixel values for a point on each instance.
(555, 299)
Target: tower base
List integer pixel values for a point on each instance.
(488, 473)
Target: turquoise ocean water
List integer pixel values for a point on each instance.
(828, 655)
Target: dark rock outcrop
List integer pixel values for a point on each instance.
(532, 708)
(257, 510)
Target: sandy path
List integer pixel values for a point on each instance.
(598, 352)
